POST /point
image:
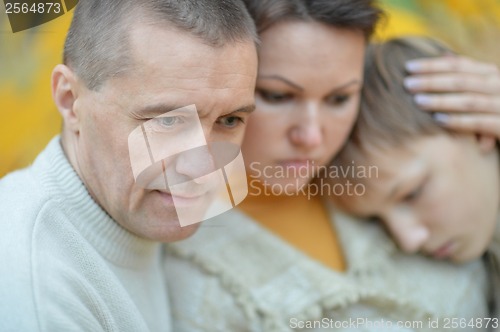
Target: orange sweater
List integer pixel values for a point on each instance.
(303, 223)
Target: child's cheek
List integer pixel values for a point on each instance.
(439, 208)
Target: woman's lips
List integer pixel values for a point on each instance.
(296, 163)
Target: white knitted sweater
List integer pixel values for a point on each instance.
(234, 275)
(65, 265)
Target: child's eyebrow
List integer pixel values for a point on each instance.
(413, 170)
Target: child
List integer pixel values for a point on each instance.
(436, 192)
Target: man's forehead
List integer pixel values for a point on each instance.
(184, 65)
(165, 45)
(166, 90)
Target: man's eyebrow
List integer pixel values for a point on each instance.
(282, 79)
(152, 111)
(155, 110)
(245, 109)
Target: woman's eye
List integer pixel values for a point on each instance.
(338, 100)
(231, 121)
(274, 97)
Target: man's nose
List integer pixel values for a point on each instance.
(195, 163)
(409, 233)
(307, 129)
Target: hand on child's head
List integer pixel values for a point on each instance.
(464, 91)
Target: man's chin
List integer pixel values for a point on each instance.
(179, 233)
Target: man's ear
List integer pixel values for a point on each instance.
(486, 142)
(64, 93)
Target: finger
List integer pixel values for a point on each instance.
(459, 102)
(451, 64)
(453, 82)
(470, 123)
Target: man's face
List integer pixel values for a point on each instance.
(171, 69)
(439, 195)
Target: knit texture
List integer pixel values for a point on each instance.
(234, 275)
(66, 265)
(492, 258)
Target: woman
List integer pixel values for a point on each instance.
(284, 260)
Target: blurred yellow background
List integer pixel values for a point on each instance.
(29, 119)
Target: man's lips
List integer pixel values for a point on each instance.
(182, 201)
(185, 196)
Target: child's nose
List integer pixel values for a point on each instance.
(409, 234)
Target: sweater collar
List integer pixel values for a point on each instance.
(262, 272)
(232, 247)
(111, 240)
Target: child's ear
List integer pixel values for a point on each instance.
(486, 142)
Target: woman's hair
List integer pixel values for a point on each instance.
(361, 15)
(388, 116)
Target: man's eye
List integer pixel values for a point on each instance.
(338, 100)
(168, 122)
(230, 121)
(274, 97)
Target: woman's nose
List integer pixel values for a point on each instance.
(307, 129)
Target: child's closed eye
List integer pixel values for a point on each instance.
(415, 194)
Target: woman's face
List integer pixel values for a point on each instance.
(307, 96)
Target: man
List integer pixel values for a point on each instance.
(80, 239)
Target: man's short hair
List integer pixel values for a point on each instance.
(389, 116)
(97, 47)
(362, 15)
